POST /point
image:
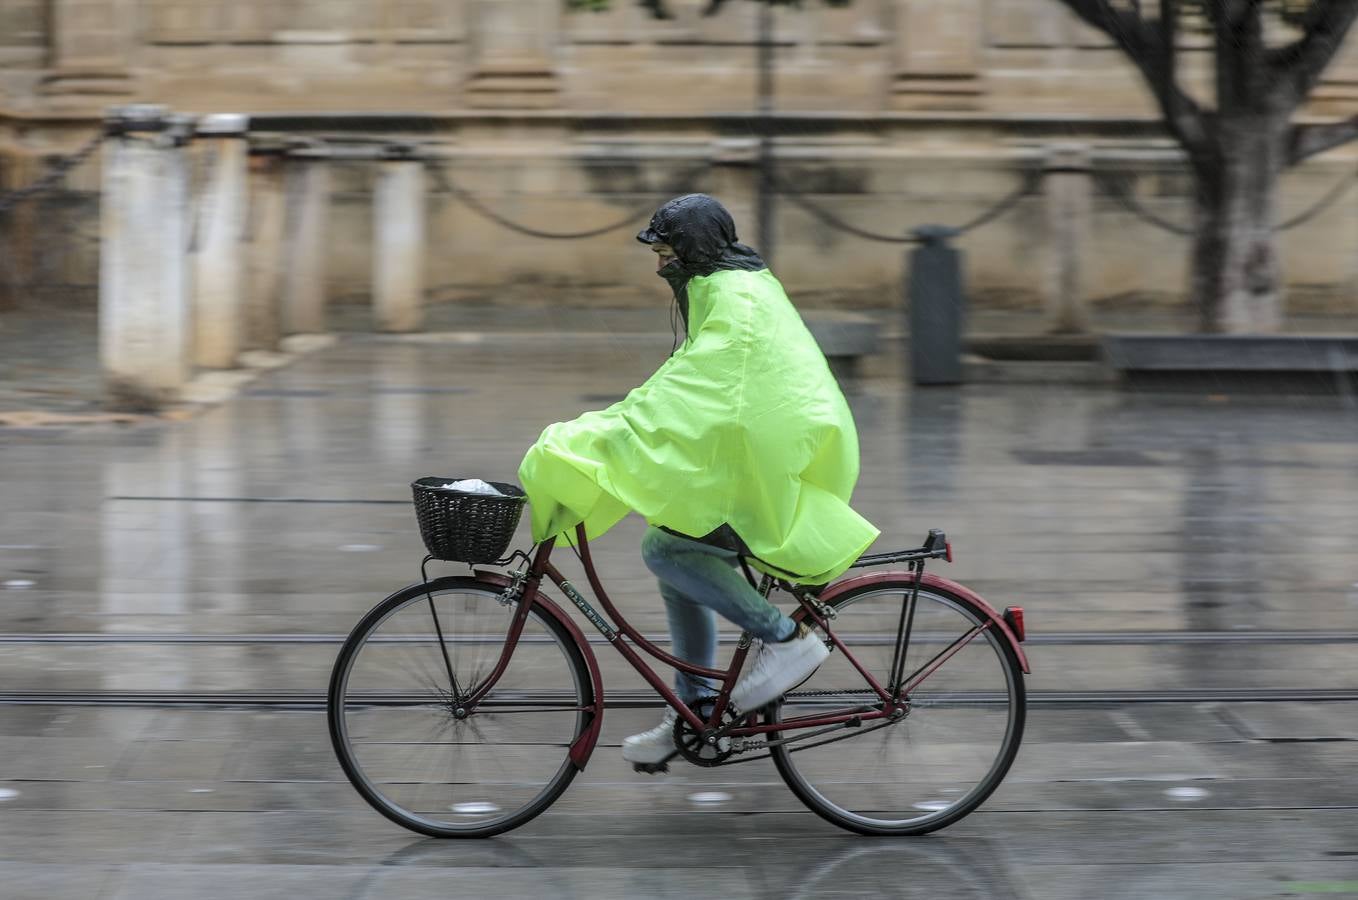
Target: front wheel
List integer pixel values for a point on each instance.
(959, 735)
(411, 742)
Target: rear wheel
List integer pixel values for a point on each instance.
(414, 747)
(960, 733)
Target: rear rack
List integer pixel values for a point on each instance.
(936, 546)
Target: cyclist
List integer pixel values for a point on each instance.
(740, 444)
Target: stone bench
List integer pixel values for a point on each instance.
(1324, 363)
(844, 337)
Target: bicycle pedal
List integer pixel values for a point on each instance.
(651, 768)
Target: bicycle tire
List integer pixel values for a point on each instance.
(784, 756)
(335, 712)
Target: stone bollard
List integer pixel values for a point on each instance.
(399, 240)
(937, 304)
(1068, 188)
(308, 199)
(145, 322)
(219, 251)
(264, 241)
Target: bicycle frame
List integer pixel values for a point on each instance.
(888, 704)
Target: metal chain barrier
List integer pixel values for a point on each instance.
(1006, 203)
(1121, 192)
(1324, 203)
(54, 176)
(1031, 180)
(481, 209)
(14, 284)
(834, 221)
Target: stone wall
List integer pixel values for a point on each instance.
(888, 191)
(567, 120)
(888, 185)
(1005, 57)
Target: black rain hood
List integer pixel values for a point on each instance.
(703, 236)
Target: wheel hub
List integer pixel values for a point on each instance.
(898, 710)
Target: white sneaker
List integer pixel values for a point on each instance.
(651, 747)
(779, 668)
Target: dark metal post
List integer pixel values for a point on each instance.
(764, 211)
(937, 304)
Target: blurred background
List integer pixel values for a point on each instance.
(1086, 271)
(565, 117)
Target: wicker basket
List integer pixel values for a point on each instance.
(463, 527)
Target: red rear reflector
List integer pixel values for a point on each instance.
(1013, 616)
(947, 546)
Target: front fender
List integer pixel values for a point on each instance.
(932, 581)
(584, 745)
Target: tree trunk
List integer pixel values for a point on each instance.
(1237, 277)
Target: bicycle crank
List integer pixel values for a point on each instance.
(709, 747)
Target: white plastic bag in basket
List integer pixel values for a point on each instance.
(473, 486)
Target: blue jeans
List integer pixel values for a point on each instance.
(697, 579)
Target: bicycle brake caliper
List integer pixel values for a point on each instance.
(515, 589)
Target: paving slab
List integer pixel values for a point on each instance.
(1295, 721)
(1245, 881)
(284, 512)
(305, 668)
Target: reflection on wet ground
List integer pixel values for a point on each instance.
(1198, 552)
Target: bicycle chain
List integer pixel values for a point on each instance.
(829, 692)
(744, 745)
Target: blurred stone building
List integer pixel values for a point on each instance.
(889, 113)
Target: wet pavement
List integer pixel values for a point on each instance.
(49, 359)
(172, 596)
(49, 368)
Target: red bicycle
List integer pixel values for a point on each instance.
(464, 706)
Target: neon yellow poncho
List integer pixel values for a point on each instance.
(743, 425)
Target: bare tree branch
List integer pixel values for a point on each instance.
(1151, 50)
(1306, 141)
(1168, 69)
(1243, 84)
(1182, 114)
(1125, 27)
(1297, 66)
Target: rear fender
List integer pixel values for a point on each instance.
(839, 588)
(584, 745)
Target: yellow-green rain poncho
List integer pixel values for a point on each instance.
(743, 425)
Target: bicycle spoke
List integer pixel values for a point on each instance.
(951, 741)
(419, 673)
(939, 659)
(412, 746)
